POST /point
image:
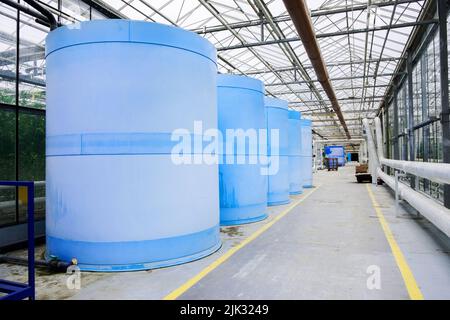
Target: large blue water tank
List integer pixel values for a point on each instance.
(295, 151)
(116, 90)
(277, 117)
(306, 152)
(243, 187)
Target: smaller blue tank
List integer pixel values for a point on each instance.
(306, 153)
(277, 117)
(295, 150)
(243, 189)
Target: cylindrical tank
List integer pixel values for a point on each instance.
(277, 117)
(116, 199)
(306, 152)
(243, 187)
(295, 151)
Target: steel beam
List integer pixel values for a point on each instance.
(329, 64)
(279, 93)
(283, 18)
(329, 34)
(335, 79)
(343, 111)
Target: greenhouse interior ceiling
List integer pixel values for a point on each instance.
(364, 45)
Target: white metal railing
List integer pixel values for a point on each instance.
(438, 172)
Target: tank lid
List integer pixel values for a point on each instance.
(294, 115)
(305, 122)
(117, 30)
(237, 81)
(270, 102)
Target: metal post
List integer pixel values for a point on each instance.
(31, 280)
(17, 97)
(387, 137)
(410, 106)
(425, 116)
(397, 176)
(395, 134)
(443, 55)
(396, 193)
(405, 140)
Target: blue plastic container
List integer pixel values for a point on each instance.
(336, 152)
(277, 117)
(116, 90)
(295, 151)
(306, 153)
(243, 188)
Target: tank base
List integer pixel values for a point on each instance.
(243, 214)
(293, 193)
(135, 255)
(243, 221)
(278, 203)
(150, 265)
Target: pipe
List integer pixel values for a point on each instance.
(53, 265)
(430, 209)
(24, 9)
(341, 140)
(437, 172)
(373, 158)
(43, 17)
(299, 13)
(47, 14)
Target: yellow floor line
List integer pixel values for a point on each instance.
(191, 282)
(408, 277)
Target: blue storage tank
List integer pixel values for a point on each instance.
(277, 117)
(243, 189)
(295, 150)
(116, 90)
(306, 153)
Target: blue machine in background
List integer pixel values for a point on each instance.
(336, 152)
(243, 189)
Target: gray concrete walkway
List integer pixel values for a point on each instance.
(320, 250)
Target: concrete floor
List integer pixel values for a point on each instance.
(322, 249)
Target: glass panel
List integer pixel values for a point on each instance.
(77, 9)
(32, 158)
(7, 165)
(32, 63)
(8, 43)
